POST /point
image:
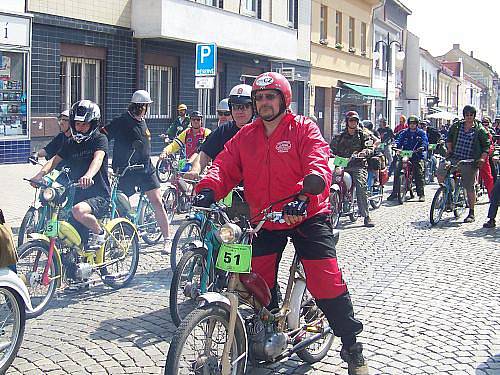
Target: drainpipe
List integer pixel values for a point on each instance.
(138, 64)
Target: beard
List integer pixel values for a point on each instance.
(268, 115)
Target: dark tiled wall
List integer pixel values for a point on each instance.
(15, 151)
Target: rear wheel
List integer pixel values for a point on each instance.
(377, 202)
(148, 226)
(438, 205)
(169, 200)
(460, 201)
(188, 232)
(13, 322)
(402, 188)
(335, 208)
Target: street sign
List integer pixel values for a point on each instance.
(204, 82)
(206, 60)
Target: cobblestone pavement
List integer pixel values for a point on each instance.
(429, 299)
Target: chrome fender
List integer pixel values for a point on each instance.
(222, 301)
(9, 279)
(295, 302)
(44, 238)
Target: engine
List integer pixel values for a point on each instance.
(74, 269)
(265, 343)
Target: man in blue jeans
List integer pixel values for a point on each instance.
(494, 202)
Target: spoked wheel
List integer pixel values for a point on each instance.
(460, 201)
(12, 324)
(198, 342)
(335, 208)
(186, 283)
(428, 173)
(163, 169)
(121, 256)
(33, 256)
(188, 232)
(149, 229)
(377, 202)
(29, 225)
(402, 188)
(169, 199)
(438, 205)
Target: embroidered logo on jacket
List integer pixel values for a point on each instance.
(283, 146)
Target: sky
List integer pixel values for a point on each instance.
(475, 25)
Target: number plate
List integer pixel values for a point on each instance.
(51, 229)
(340, 162)
(228, 200)
(407, 153)
(235, 258)
(432, 146)
(182, 164)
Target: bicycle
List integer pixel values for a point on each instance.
(405, 182)
(57, 255)
(451, 195)
(165, 167)
(226, 339)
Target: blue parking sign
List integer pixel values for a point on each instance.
(206, 60)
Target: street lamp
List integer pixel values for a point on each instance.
(400, 55)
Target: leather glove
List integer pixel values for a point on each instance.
(205, 198)
(296, 207)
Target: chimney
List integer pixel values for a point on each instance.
(471, 53)
(456, 46)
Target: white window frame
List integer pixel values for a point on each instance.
(148, 69)
(249, 7)
(68, 61)
(291, 11)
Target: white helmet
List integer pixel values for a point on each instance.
(64, 113)
(141, 97)
(223, 105)
(240, 94)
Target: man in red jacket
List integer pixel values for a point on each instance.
(272, 155)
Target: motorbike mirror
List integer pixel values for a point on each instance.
(313, 184)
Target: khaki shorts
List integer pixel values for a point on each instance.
(467, 171)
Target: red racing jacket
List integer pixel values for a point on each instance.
(272, 168)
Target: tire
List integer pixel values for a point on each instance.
(186, 281)
(402, 188)
(188, 232)
(149, 229)
(335, 208)
(428, 172)
(13, 317)
(197, 319)
(460, 202)
(163, 170)
(32, 252)
(438, 205)
(112, 275)
(28, 225)
(376, 203)
(170, 203)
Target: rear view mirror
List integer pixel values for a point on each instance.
(313, 184)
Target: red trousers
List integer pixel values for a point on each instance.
(486, 176)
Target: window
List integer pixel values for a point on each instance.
(338, 27)
(159, 83)
(323, 22)
(363, 37)
(80, 78)
(250, 6)
(352, 32)
(291, 12)
(423, 80)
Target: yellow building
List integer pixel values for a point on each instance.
(341, 60)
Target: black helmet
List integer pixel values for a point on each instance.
(84, 111)
(367, 124)
(469, 109)
(351, 114)
(196, 114)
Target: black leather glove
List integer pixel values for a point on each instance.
(205, 198)
(296, 207)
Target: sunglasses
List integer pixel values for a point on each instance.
(242, 107)
(259, 97)
(223, 113)
(469, 114)
(413, 122)
(195, 119)
(485, 123)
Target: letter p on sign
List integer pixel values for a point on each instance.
(206, 60)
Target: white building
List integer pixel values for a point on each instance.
(428, 83)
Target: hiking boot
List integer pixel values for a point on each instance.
(421, 198)
(490, 224)
(96, 241)
(391, 197)
(470, 219)
(356, 363)
(368, 222)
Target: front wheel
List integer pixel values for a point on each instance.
(188, 232)
(163, 169)
(402, 188)
(186, 283)
(438, 205)
(13, 318)
(33, 256)
(460, 201)
(377, 202)
(198, 342)
(148, 226)
(30, 224)
(170, 203)
(334, 208)
(121, 255)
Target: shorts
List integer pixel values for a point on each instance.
(145, 181)
(99, 206)
(467, 171)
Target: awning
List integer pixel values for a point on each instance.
(444, 115)
(367, 91)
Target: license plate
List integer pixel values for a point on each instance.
(340, 161)
(228, 200)
(407, 153)
(51, 229)
(235, 258)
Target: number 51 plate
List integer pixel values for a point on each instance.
(235, 258)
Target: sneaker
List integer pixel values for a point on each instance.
(368, 222)
(356, 363)
(167, 246)
(421, 198)
(490, 224)
(96, 241)
(469, 219)
(391, 197)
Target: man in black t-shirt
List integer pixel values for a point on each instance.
(56, 143)
(126, 129)
(86, 154)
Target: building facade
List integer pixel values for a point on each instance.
(428, 83)
(15, 81)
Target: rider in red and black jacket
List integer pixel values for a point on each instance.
(272, 155)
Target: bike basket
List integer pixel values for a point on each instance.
(406, 153)
(340, 161)
(235, 258)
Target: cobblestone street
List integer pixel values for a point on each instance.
(429, 299)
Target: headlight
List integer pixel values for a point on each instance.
(229, 233)
(49, 194)
(405, 159)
